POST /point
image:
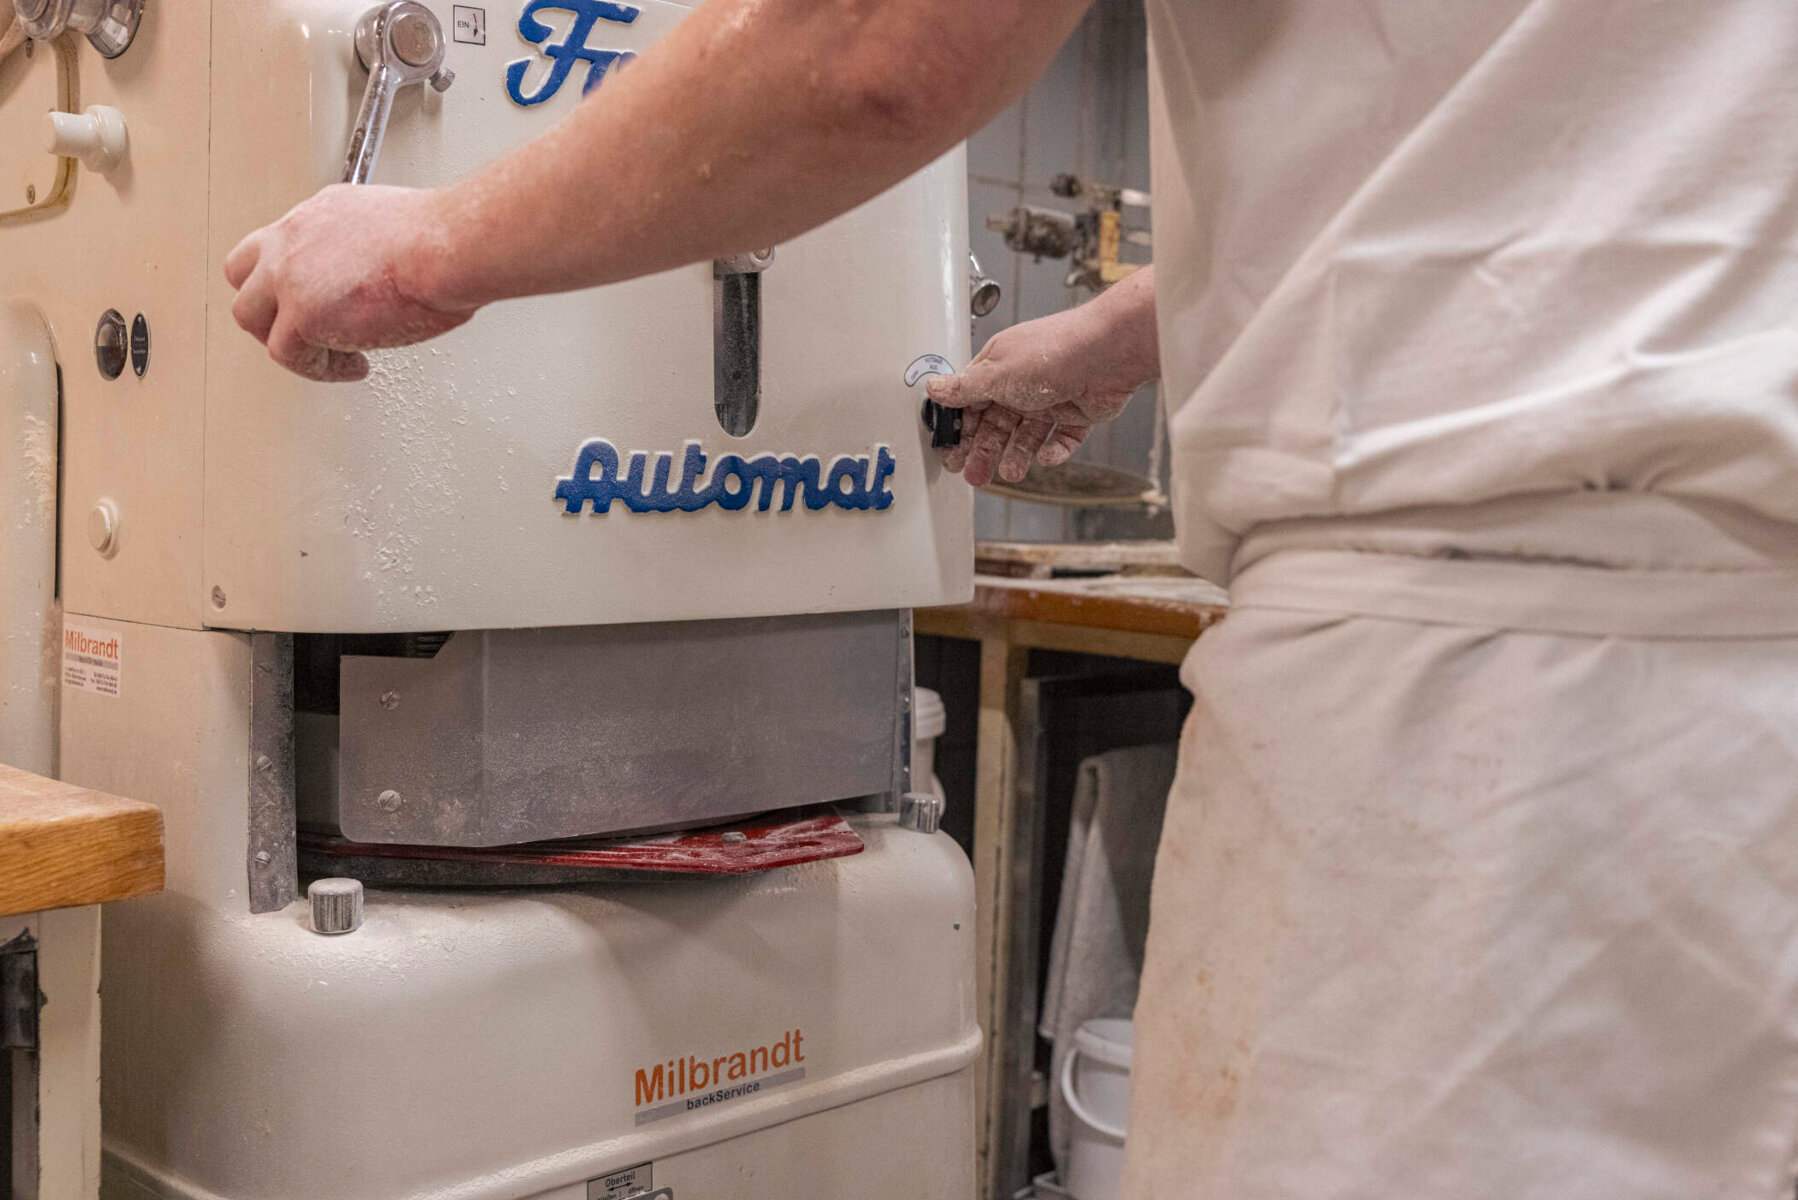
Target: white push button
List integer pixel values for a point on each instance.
(103, 527)
(97, 137)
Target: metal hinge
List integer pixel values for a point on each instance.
(19, 998)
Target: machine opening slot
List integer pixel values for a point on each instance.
(737, 351)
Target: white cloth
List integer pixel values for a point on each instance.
(1102, 921)
(1411, 252)
(1480, 877)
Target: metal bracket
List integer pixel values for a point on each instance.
(658, 1194)
(752, 263)
(19, 998)
(737, 339)
(273, 857)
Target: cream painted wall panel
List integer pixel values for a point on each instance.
(130, 241)
(176, 736)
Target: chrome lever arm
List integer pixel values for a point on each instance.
(399, 43)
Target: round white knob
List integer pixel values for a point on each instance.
(336, 905)
(97, 137)
(103, 527)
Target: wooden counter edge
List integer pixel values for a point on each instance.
(1153, 629)
(63, 846)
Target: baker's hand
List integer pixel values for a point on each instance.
(338, 275)
(1036, 391)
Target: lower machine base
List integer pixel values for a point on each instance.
(804, 1032)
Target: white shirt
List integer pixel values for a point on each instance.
(1427, 252)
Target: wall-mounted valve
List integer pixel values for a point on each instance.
(97, 137)
(399, 44)
(109, 24)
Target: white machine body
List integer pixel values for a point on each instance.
(425, 497)
(216, 512)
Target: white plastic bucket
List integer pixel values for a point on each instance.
(928, 720)
(1095, 1082)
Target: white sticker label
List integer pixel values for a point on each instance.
(632, 1181)
(91, 659)
(469, 24)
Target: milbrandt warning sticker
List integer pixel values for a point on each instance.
(91, 661)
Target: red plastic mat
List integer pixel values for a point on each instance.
(742, 848)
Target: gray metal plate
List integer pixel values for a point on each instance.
(510, 736)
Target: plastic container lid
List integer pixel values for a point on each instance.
(1110, 1040)
(928, 716)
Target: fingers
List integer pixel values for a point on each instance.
(292, 351)
(256, 306)
(1061, 444)
(346, 366)
(989, 442)
(980, 382)
(946, 390)
(243, 259)
(956, 456)
(1026, 440)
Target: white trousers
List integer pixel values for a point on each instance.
(1480, 876)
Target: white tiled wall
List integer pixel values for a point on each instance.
(1088, 115)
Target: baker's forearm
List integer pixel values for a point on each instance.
(753, 121)
(1120, 334)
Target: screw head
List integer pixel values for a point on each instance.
(390, 700)
(414, 37)
(389, 801)
(264, 762)
(218, 596)
(264, 858)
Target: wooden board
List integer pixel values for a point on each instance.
(62, 845)
(1127, 616)
(1043, 560)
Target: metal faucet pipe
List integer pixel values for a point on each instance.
(983, 291)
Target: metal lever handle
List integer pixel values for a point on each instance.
(399, 43)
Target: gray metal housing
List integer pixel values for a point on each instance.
(511, 736)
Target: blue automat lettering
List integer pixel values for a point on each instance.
(677, 483)
(570, 50)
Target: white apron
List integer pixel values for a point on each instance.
(1480, 879)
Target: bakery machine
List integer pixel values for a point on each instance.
(567, 657)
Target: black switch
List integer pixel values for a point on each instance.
(944, 425)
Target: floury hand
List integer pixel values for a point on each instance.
(334, 277)
(1037, 389)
